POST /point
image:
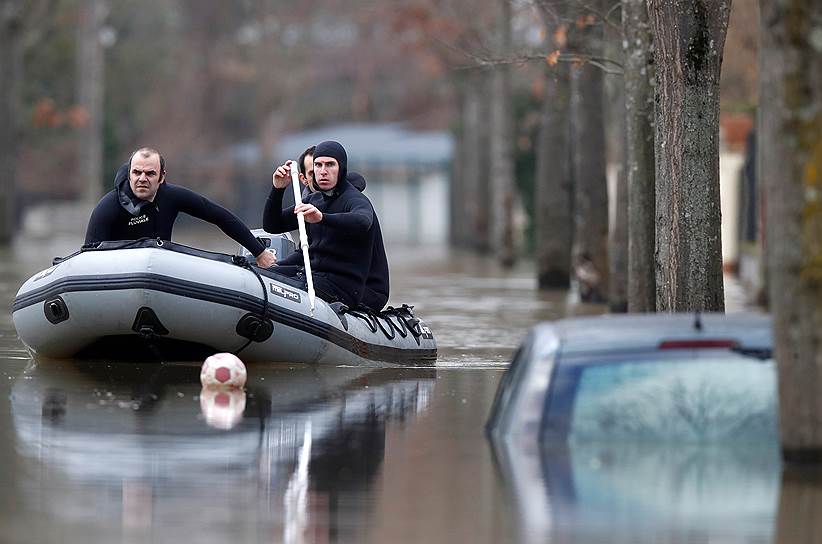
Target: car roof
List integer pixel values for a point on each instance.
(639, 332)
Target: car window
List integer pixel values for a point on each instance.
(713, 397)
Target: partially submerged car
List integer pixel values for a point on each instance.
(653, 377)
(630, 428)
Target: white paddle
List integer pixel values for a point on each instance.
(295, 184)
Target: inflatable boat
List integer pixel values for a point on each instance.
(163, 299)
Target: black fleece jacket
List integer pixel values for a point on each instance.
(377, 284)
(341, 245)
(120, 215)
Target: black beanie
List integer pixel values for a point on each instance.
(337, 151)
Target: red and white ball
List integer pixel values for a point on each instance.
(223, 370)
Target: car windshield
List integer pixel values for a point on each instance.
(708, 396)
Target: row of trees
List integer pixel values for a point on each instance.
(667, 219)
(663, 251)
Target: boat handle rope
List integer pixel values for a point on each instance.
(94, 246)
(405, 315)
(396, 326)
(374, 322)
(390, 328)
(243, 262)
(369, 319)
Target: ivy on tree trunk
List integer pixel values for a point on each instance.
(790, 131)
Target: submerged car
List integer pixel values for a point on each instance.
(634, 428)
(653, 377)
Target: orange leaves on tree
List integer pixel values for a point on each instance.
(47, 115)
(560, 36)
(542, 32)
(77, 117)
(553, 58)
(585, 20)
(410, 17)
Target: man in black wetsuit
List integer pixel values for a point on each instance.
(375, 295)
(340, 221)
(143, 205)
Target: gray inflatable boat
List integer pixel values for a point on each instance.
(152, 298)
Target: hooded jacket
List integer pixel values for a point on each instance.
(120, 215)
(341, 244)
(377, 283)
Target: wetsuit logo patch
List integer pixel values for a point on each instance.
(285, 293)
(138, 220)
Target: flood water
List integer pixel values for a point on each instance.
(122, 452)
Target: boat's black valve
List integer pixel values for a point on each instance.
(252, 327)
(56, 310)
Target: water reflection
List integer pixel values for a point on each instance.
(642, 493)
(139, 448)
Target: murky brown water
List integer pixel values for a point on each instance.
(136, 453)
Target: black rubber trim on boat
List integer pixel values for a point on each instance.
(235, 299)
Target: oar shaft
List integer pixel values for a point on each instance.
(295, 185)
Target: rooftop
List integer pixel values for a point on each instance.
(373, 143)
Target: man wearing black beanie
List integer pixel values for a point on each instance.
(340, 222)
(376, 291)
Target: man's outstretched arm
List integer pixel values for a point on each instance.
(202, 208)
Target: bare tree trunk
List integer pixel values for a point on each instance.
(554, 189)
(589, 158)
(790, 132)
(501, 130)
(90, 86)
(800, 500)
(457, 226)
(639, 155)
(475, 172)
(458, 229)
(618, 247)
(615, 142)
(10, 78)
(689, 36)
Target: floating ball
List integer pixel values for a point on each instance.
(223, 370)
(222, 408)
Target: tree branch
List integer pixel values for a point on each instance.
(609, 66)
(604, 16)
